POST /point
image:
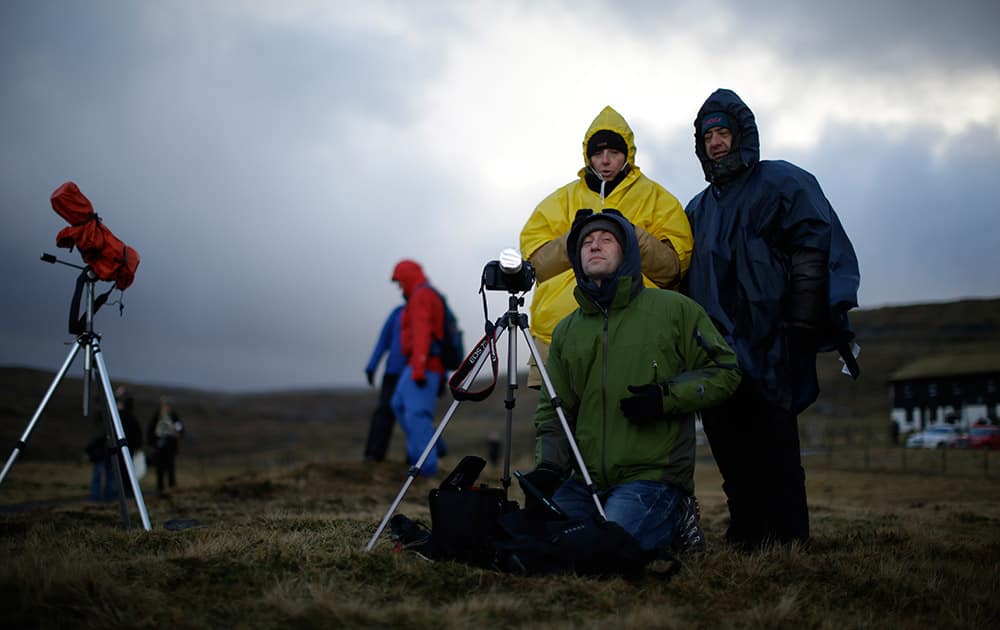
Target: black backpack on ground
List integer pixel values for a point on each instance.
(465, 517)
(477, 525)
(588, 546)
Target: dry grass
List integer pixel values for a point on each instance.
(283, 548)
(285, 513)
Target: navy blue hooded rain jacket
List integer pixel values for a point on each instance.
(748, 224)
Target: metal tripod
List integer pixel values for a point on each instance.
(507, 322)
(90, 343)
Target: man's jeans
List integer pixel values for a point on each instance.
(102, 481)
(414, 409)
(648, 510)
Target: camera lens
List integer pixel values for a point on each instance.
(510, 260)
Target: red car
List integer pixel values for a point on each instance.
(984, 437)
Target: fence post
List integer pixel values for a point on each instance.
(829, 446)
(868, 446)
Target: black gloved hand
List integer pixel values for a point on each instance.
(420, 382)
(802, 341)
(646, 407)
(371, 377)
(546, 479)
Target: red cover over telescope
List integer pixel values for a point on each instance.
(105, 253)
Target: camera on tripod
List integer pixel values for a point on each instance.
(510, 273)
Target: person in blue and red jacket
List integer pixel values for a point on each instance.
(417, 391)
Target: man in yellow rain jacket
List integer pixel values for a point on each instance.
(608, 179)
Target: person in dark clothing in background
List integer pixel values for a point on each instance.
(383, 419)
(102, 482)
(132, 429)
(164, 433)
(776, 272)
(102, 486)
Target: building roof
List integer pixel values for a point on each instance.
(948, 365)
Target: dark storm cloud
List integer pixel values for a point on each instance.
(879, 35)
(860, 34)
(271, 169)
(197, 144)
(924, 221)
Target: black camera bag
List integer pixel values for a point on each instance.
(582, 546)
(465, 517)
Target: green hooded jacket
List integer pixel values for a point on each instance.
(643, 335)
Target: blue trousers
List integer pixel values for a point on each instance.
(414, 409)
(102, 481)
(648, 510)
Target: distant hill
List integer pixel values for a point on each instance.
(225, 424)
(891, 337)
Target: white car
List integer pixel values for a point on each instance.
(943, 436)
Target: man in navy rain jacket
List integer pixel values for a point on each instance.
(777, 274)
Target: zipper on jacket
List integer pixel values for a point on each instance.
(604, 400)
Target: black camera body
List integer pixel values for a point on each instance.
(496, 278)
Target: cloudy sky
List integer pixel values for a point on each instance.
(272, 161)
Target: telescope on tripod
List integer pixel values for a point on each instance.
(511, 274)
(111, 260)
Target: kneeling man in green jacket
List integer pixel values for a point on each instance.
(631, 366)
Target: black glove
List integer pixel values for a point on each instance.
(420, 382)
(371, 377)
(546, 479)
(803, 341)
(646, 407)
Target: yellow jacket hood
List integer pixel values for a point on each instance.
(610, 120)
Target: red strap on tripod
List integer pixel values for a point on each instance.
(486, 344)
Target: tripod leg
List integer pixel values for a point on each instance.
(562, 419)
(38, 412)
(509, 399)
(116, 422)
(412, 473)
(415, 469)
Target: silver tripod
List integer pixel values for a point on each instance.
(90, 343)
(485, 350)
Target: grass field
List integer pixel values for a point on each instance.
(283, 547)
(906, 539)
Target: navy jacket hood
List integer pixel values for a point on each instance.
(746, 141)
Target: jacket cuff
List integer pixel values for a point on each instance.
(660, 262)
(551, 259)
